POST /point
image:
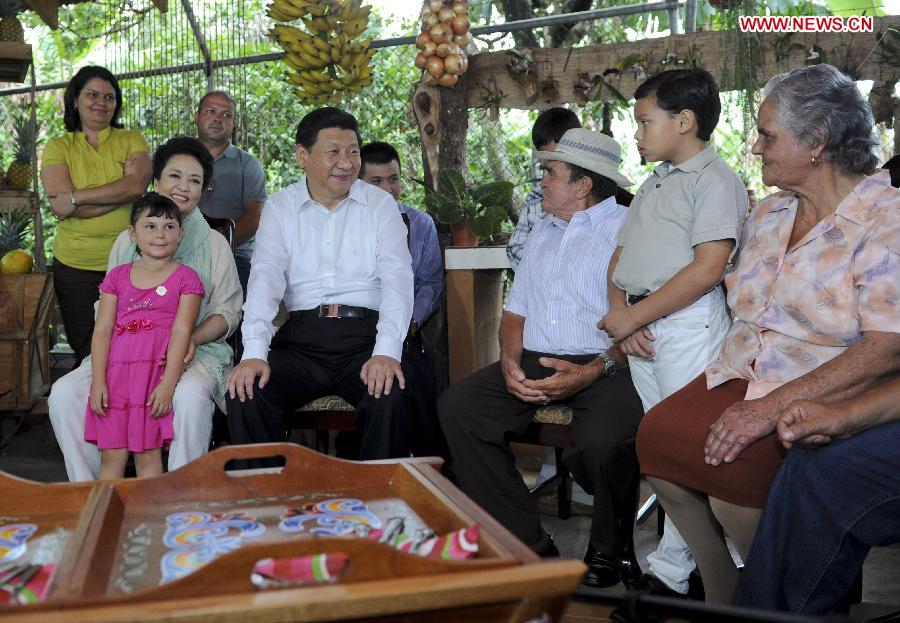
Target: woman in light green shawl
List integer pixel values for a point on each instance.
(182, 168)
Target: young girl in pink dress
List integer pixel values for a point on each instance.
(147, 312)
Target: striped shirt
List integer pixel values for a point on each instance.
(560, 286)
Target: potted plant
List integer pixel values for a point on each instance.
(472, 212)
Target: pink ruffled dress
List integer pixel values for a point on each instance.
(140, 338)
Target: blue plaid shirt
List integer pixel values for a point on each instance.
(531, 213)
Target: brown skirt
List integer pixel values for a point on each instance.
(672, 434)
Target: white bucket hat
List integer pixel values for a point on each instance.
(589, 150)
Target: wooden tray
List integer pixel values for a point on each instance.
(506, 582)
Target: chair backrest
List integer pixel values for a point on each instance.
(224, 226)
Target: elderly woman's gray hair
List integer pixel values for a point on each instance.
(818, 104)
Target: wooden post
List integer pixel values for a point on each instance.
(455, 126)
(443, 119)
(426, 104)
(474, 307)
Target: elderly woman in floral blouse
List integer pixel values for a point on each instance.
(816, 294)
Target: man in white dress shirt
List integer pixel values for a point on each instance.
(334, 249)
(552, 351)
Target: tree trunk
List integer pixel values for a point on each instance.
(516, 10)
(453, 125)
(560, 32)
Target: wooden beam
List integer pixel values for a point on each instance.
(47, 10)
(558, 69)
(14, 61)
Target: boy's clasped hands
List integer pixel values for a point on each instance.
(633, 339)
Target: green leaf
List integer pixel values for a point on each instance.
(422, 183)
(449, 214)
(481, 226)
(845, 8)
(496, 213)
(494, 193)
(437, 203)
(452, 182)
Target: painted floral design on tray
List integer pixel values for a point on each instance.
(335, 517)
(13, 540)
(197, 538)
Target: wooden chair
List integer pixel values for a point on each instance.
(322, 415)
(551, 426)
(224, 226)
(328, 413)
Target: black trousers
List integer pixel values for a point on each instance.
(314, 357)
(478, 412)
(428, 439)
(76, 291)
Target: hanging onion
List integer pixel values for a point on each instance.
(453, 64)
(430, 19)
(434, 66)
(460, 8)
(422, 39)
(448, 80)
(446, 31)
(460, 25)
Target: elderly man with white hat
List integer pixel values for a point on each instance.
(552, 351)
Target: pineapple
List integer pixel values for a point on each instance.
(13, 226)
(10, 27)
(18, 175)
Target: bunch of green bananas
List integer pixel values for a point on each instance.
(326, 59)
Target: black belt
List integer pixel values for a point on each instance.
(635, 299)
(334, 311)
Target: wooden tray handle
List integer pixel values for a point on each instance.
(298, 460)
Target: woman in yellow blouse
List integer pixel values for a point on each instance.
(90, 176)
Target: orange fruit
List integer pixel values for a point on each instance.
(16, 262)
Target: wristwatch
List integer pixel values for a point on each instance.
(72, 198)
(610, 367)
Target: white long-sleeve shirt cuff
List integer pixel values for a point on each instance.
(388, 346)
(255, 349)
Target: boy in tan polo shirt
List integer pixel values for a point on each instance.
(666, 307)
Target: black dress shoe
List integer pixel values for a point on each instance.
(603, 571)
(630, 570)
(644, 583)
(652, 585)
(548, 550)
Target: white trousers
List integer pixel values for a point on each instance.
(193, 406)
(686, 343)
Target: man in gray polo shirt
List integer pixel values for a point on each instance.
(238, 188)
